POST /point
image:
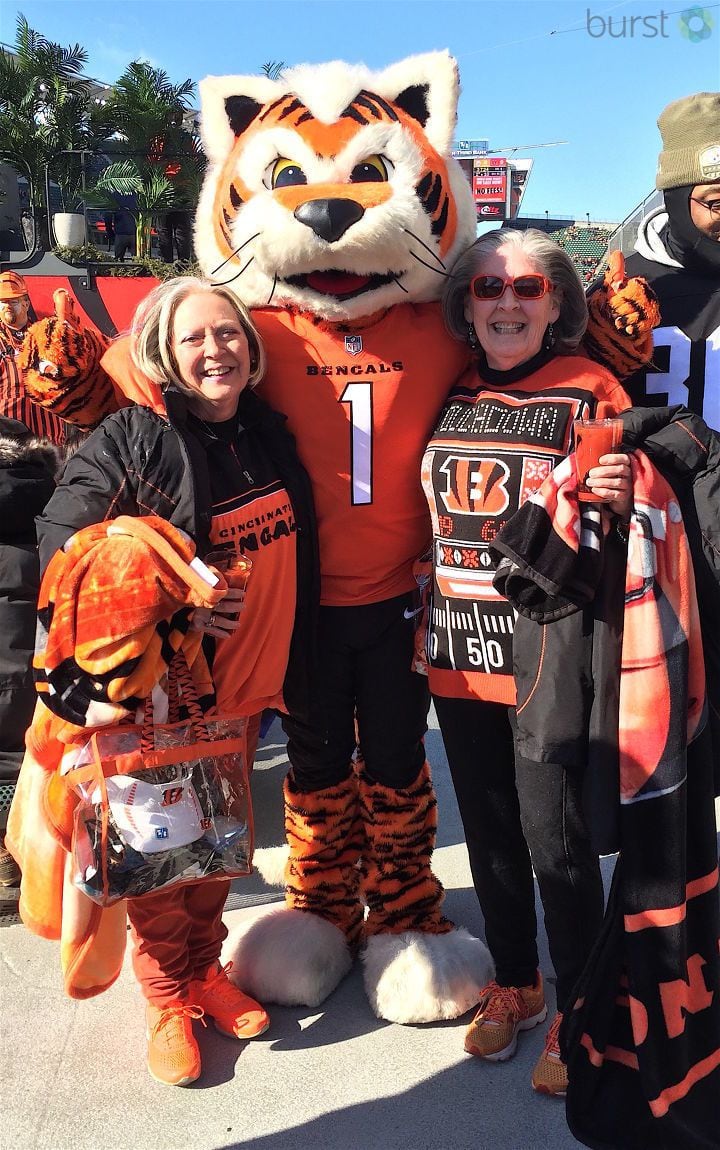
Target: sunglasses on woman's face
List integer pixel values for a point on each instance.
(524, 287)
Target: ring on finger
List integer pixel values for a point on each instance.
(211, 619)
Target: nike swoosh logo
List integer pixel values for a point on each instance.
(411, 614)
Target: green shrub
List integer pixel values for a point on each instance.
(81, 255)
(84, 254)
(153, 267)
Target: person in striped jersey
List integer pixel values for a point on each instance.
(14, 402)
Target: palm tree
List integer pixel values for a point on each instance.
(273, 69)
(159, 162)
(47, 107)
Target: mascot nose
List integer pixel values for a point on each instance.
(329, 219)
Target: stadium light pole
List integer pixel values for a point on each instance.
(587, 217)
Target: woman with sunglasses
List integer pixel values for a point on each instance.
(517, 299)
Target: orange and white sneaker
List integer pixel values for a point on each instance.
(234, 1013)
(173, 1053)
(503, 1011)
(550, 1075)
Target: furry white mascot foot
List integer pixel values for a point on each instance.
(297, 954)
(289, 957)
(418, 967)
(414, 977)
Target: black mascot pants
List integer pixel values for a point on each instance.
(365, 654)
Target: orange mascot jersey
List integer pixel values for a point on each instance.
(362, 399)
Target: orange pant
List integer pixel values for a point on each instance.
(177, 934)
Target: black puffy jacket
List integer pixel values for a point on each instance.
(137, 462)
(27, 471)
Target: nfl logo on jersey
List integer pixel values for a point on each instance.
(353, 344)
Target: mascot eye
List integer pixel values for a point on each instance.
(373, 169)
(286, 173)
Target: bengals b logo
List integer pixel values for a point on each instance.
(475, 486)
(171, 796)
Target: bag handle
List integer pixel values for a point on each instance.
(179, 678)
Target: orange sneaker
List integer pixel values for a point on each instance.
(234, 1013)
(504, 1010)
(173, 1054)
(550, 1075)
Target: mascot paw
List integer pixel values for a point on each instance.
(290, 957)
(270, 863)
(416, 977)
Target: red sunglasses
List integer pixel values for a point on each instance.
(531, 286)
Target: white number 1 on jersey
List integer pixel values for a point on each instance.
(358, 396)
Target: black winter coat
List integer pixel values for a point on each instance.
(27, 471)
(137, 462)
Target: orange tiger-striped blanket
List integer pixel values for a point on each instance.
(114, 608)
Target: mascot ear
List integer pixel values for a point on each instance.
(414, 101)
(427, 88)
(229, 105)
(241, 111)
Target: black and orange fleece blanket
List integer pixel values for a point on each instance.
(642, 1040)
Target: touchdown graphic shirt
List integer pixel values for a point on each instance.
(491, 450)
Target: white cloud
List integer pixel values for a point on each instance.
(110, 60)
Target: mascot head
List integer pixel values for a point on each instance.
(332, 190)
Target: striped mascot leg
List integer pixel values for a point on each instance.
(324, 834)
(298, 954)
(418, 967)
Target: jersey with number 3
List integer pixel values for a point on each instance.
(686, 357)
(362, 399)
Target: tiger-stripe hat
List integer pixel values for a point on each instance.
(690, 130)
(12, 286)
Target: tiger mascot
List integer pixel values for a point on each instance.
(331, 205)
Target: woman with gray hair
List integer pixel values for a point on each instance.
(516, 299)
(199, 449)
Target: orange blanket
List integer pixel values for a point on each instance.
(114, 606)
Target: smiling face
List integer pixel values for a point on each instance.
(211, 353)
(14, 312)
(510, 330)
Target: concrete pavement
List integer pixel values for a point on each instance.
(74, 1077)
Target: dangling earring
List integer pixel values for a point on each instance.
(472, 338)
(549, 337)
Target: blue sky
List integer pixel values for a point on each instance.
(530, 72)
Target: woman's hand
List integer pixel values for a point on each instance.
(222, 620)
(612, 481)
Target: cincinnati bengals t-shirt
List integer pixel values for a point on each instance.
(362, 398)
(492, 448)
(257, 521)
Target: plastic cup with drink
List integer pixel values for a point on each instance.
(234, 568)
(593, 439)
